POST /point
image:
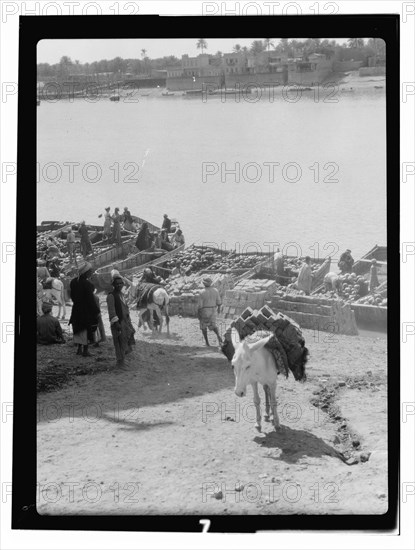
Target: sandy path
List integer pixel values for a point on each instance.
(166, 433)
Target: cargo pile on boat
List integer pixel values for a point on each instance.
(41, 243)
(355, 289)
(377, 298)
(235, 262)
(257, 285)
(195, 258)
(178, 285)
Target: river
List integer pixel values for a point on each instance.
(174, 155)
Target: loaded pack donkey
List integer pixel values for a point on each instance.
(260, 362)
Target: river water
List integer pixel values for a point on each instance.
(174, 155)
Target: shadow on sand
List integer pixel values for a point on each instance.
(295, 445)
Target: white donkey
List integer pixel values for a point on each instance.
(253, 364)
(160, 304)
(58, 293)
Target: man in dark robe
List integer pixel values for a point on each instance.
(166, 223)
(85, 311)
(346, 262)
(144, 239)
(86, 246)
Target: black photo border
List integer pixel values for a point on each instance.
(35, 28)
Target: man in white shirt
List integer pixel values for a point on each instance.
(208, 303)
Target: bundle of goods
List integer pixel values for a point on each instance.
(195, 258)
(286, 342)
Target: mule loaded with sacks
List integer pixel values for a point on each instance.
(145, 293)
(286, 341)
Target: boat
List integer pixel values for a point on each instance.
(50, 226)
(371, 317)
(114, 97)
(300, 89)
(56, 233)
(168, 94)
(117, 257)
(193, 92)
(135, 265)
(266, 269)
(378, 253)
(231, 91)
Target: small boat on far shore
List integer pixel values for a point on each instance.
(300, 89)
(192, 92)
(114, 97)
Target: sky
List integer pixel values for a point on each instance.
(88, 50)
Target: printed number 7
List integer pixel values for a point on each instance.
(206, 525)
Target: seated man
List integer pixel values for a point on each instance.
(178, 238)
(49, 330)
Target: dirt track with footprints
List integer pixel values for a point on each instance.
(167, 434)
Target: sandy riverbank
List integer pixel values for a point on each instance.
(167, 432)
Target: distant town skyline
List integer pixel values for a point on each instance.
(89, 50)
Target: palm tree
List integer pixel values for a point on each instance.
(201, 44)
(218, 53)
(64, 65)
(267, 43)
(377, 45)
(355, 42)
(237, 48)
(257, 47)
(143, 53)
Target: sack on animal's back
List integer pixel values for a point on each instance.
(289, 334)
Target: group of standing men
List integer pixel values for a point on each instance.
(86, 319)
(86, 316)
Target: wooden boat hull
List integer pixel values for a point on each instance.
(136, 264)
(378, 253)
(371, 317)
(111, 255)
(51, 226)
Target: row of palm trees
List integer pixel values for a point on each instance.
(287, 46)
